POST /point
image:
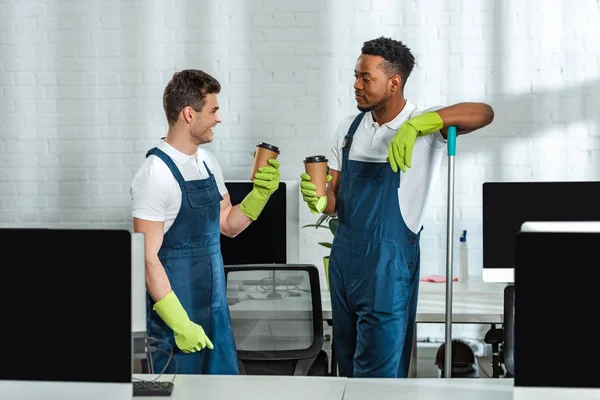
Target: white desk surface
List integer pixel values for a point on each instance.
(213, 387)
(429, 389)
(472, 303)
(475, 302)
(217, 387)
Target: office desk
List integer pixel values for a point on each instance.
(429, 389)
(472, 303)
(213, 387)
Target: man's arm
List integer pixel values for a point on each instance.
(157, 282)
(466, 117)
(233, 220)
(189, 336)
(332, 192)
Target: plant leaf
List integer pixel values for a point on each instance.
(333, 225)
(313, 225)
(323, 218)
(325, 244)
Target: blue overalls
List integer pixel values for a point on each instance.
(373, 272)
(191, 256)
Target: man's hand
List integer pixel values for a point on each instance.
(189, 336)
(266, 182)
(315, 203)
(402, 144)
(266, 179)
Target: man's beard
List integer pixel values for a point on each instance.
(203, 137)
(374, 106)
(367, 108)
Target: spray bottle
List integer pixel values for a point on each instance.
(463, 259)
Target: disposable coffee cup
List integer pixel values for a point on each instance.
(264, 153)
(316, 168)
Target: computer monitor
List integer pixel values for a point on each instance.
(274, 237)
(138, 294)
(66, 315)
(556, 277)
(506, 205)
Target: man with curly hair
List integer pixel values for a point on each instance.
(181, 204)
(383, 164)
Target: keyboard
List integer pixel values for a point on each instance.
(152, 388)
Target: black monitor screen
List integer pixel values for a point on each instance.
(264, 241)
(556, 281)
(66, 312)
(506, 205)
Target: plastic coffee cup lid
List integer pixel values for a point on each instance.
(315, 159)
(268, 147)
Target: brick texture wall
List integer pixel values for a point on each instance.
(81, 85)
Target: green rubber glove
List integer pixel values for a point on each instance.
(401, 147)
(189, 337)
(266, 182)
(316, 204)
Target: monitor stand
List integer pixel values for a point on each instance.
(274, 295)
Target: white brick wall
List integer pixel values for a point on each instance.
(81, 85)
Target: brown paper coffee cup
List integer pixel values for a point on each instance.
(264, 153)
(316, 168)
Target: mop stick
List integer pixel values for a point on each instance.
(449, 251)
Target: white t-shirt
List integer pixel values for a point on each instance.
(155, 193)
(370, 143)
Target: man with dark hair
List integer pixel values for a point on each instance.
(374, 261)
(181, 204)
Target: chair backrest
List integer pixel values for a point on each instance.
(276, 317)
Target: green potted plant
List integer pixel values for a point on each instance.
(326, 222)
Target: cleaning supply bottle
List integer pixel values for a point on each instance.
(463, 259)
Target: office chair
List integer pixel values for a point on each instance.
(277, 319)
(495, 337)
(502, 339)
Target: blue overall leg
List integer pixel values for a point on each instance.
(344, 317)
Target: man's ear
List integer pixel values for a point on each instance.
(188, 114)
(396, 83)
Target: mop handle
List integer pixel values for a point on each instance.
(451, 141)
(449, 251)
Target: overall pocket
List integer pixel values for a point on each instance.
(363, 203)
(205, 200)
(202, 197)
(389, 290)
